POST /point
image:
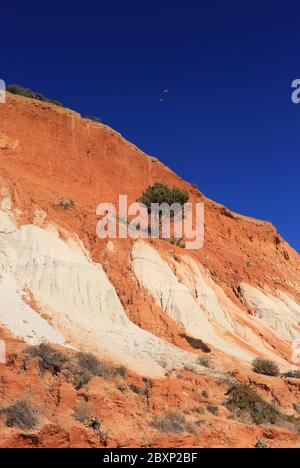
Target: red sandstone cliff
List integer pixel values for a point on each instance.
(243, 284)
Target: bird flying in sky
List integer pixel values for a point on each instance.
(164, 94)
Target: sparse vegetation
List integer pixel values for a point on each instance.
(81, 378)
(213, 410)
(22, 414)
(292, 374)
(205, 362)
(205, 394)
(83, 413)
(228, 379)
(80, 368)
(121, 371)
(243, 400)
(85, 366)
(48, 358)
(93, 119)
(296, 408)
(196, 343)
(265, 367)
(260, 444)
(172, 421)
(161, 193)
(138, 390)
(26, 92)
(195, 186)
(122, 388)
(291, 421)
(66, 203)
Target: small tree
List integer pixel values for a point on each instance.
(161, 193)
(169, 202)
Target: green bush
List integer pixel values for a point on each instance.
(291, 421)
(213, 410)
(26, 92)
(172, 421)
(161, 193)
(81, 378)
(93, 119)
(243, 399)
(139, 390)
(196, 343)
(85, 366)
(121, 371)
(122, 388)
(265, 367)
(22, 414)
(292, 374)
(92, 364)
(48, 358)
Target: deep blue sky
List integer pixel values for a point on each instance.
(228, 124)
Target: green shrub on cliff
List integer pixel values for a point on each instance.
(26, 92)
(161, 193)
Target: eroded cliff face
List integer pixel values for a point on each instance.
(132, 303)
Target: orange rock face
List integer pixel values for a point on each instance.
(49, 154)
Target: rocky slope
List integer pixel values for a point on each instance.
(133, 303)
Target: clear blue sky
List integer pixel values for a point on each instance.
(228, 123)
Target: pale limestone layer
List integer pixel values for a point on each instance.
(24, 322)
(281, 313)
(82, 303)
(221, 311)
(176, 299)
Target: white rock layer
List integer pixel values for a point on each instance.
(24, 322)
(222, 312)
(77, 295)
(281, 313)
(176, 300)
